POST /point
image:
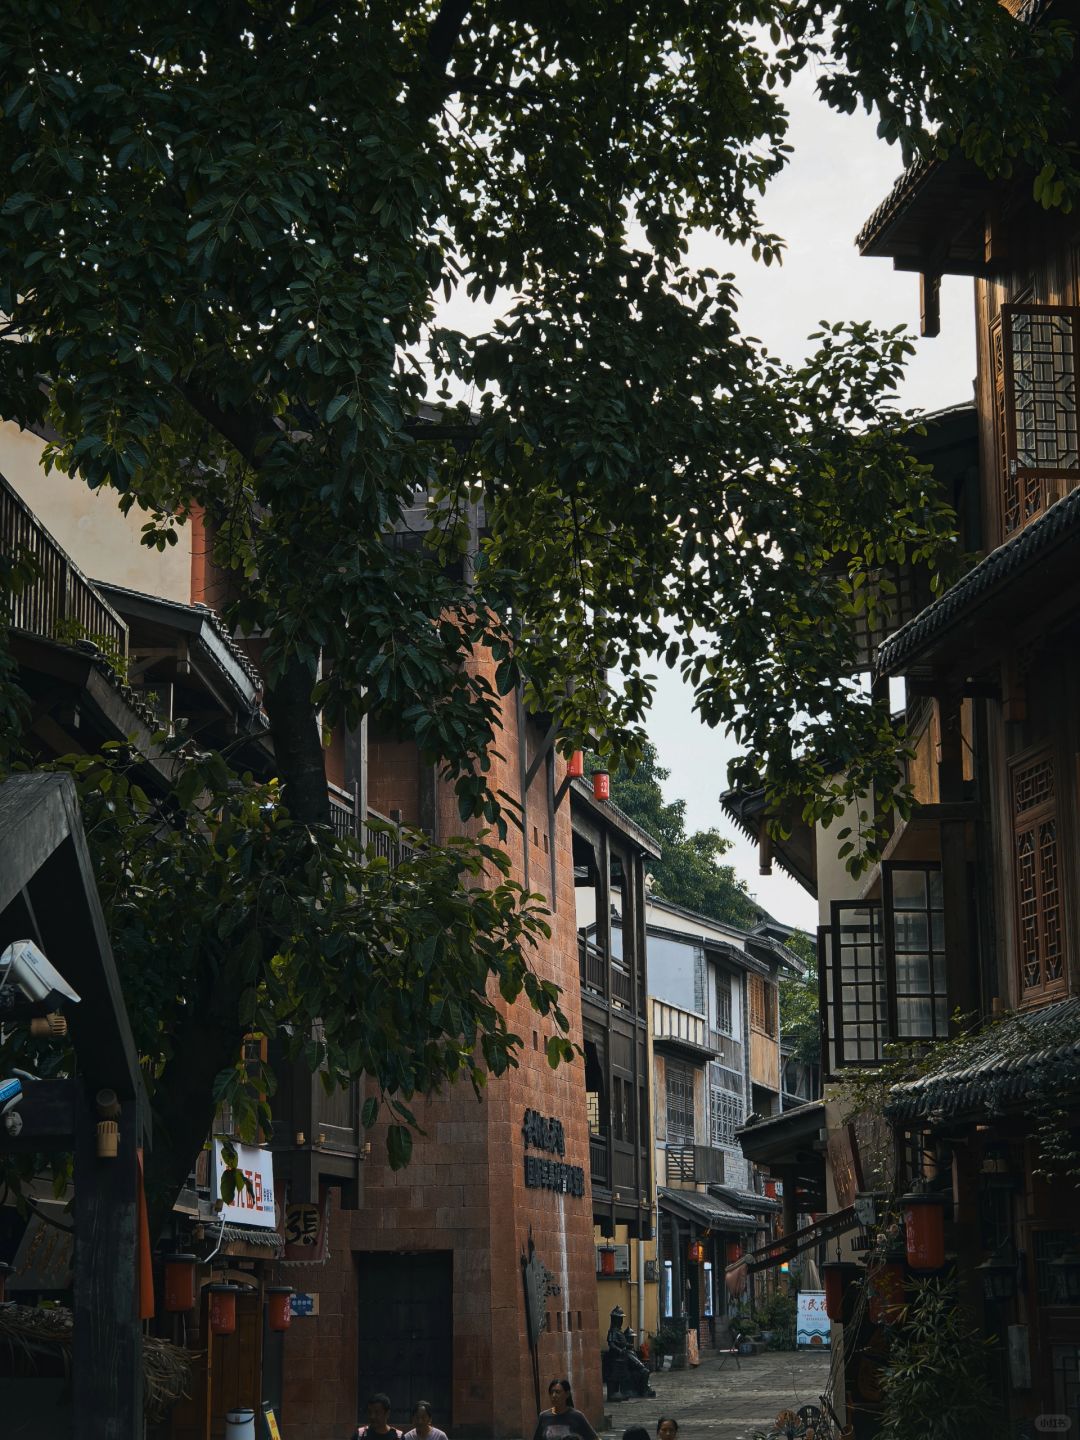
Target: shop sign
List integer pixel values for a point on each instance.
(812, 1325)
(305, 1233)
(303, 1303)
(253, 1203)
(544, 1132)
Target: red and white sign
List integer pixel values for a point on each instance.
(252, 1204)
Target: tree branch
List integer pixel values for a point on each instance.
(445, 29)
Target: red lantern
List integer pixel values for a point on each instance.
(607, 1262)
(924, 1230)
(695, 1252)
(575, 766)
(279, 1306)
(222, 1308)
(179, 1283)
(734, 1251)
(601, 785)
(770, 1189)
(838, 1277)
(886, 1292)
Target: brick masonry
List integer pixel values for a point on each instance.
(465, 1191)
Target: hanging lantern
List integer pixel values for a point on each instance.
(223, 1308)
(838, 1277)
(695, 1252)
(924, 1230)
(886, 1291)
(607, 1260)
(279, 1307)
(734, 1251)
(998, 1275)
(575, 766)
(1066, 1274)
(179, 1283)
(601, 785)
(770, 1189)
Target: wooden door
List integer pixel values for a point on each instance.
(405, 1331)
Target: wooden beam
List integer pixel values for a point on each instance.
(929, 305)
(106, 1369)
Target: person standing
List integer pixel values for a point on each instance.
(378, 1425)
(562, 1421)
(423, 1429)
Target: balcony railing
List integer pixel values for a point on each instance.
(669, 1022)
(592, 966)
(344, 816)
(622, 987)
(59, 603)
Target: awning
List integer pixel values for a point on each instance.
(705, 1210)
(786, 1248)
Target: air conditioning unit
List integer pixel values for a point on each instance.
(612, 1260)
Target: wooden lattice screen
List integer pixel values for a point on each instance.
(1035, 355)
(1040, 942)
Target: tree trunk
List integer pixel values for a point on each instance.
(298, 745)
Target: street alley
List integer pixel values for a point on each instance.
(716, 1401)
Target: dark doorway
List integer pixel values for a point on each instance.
(406, 1330)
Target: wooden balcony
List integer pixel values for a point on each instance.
(60, 603)
(680, 1031)
(599, 1159)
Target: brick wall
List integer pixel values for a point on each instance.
(465, 1191)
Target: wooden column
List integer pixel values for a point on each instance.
(959, 938)
(107, 1380)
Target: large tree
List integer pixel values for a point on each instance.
(225, 228)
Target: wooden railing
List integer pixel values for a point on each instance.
(679, 1163)
(669, 1022)
(592, 967)
(344, 817)
(622, 990)
(59, 603)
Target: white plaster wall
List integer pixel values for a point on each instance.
(103, 543)
(834, 882)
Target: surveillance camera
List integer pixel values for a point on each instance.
(24, 965)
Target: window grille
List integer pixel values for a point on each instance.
(916, 932)
(762, 1005)
(1040, 943)
(1048, 1246)
(725, 1108)
(860, 1018)
(680, 1103)
(723, 1003)
(592, 1107)
(1033, 351)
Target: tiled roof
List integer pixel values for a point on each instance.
(196, 611)
(903, 191)
(1012, 1058)
(1026, 549)
(707, 1209)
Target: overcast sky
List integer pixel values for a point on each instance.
(839, 173)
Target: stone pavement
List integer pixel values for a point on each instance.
(716, 1401)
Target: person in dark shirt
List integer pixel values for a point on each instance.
(378, 1425)
(562, 1421)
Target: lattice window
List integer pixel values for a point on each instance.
(859, 1018)
(592, 1109)
(762, 1005)
(725, 1113)
(680, 1103)
(916, 930)
(1040, 943)
(1034, 356)
(1048, 1246)
(723, 1003)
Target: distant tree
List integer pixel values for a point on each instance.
(799, 1013)
(689, 871)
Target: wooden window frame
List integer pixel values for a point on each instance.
(725, 1013)
(684, 1074)
(1026, 491)
(878, 1011)
(763, 1005)
(893, 994)
(1049, 923)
